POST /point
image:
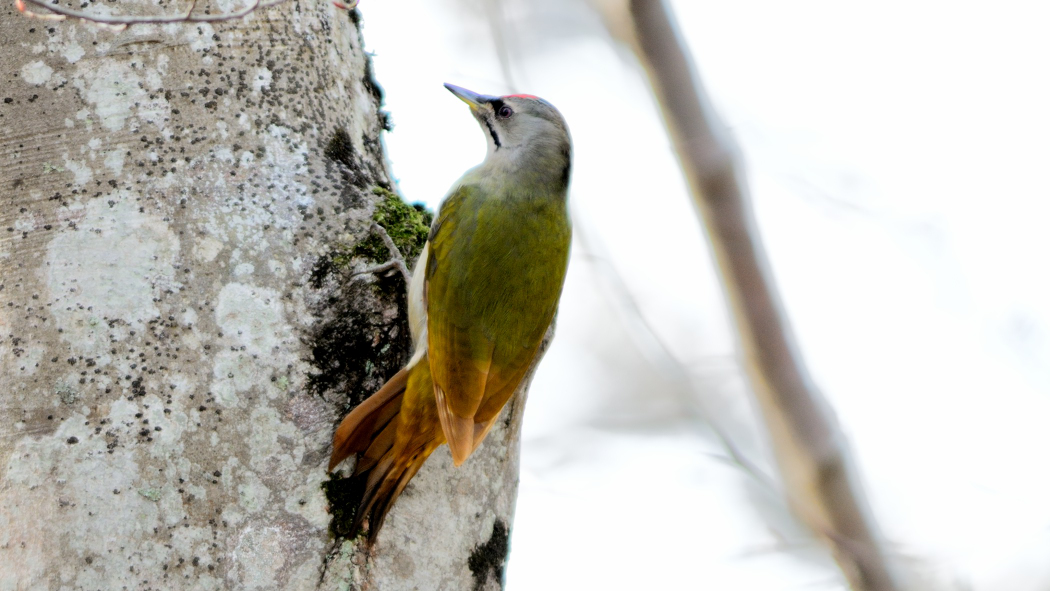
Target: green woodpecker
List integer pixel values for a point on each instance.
(481, 298)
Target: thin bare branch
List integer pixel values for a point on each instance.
(57, 12)
(808, 443)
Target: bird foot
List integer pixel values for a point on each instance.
(397, 261)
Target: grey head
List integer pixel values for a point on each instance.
(522, 132)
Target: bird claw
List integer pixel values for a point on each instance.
(396, 260)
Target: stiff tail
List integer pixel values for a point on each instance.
(383, 484)
(368, 422)
(383, 468)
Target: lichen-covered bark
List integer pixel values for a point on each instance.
(179, 332)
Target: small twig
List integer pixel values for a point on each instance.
(57, 12)
(396, 260)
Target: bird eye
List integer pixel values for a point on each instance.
(505, 112)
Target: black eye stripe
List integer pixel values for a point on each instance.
(492, 132)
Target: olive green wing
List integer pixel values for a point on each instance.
(494, 273)
(459, 360)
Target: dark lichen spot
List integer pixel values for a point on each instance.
(356, 346)
(341, 148)
(324, 267)
(491, 557)
(359, 172)
(343, 495)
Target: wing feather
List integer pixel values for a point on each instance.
(490, 294)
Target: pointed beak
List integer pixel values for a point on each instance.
(470, 97)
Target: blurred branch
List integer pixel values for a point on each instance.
(500, 39)
(808, 444)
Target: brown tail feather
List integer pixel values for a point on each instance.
(383, 466)
(356, 432)
(386, 499)
(380, 447)
(384, 486)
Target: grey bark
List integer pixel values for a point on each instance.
(180, 327)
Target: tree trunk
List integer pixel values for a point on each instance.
(182, 210)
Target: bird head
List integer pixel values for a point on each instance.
(519, 128)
